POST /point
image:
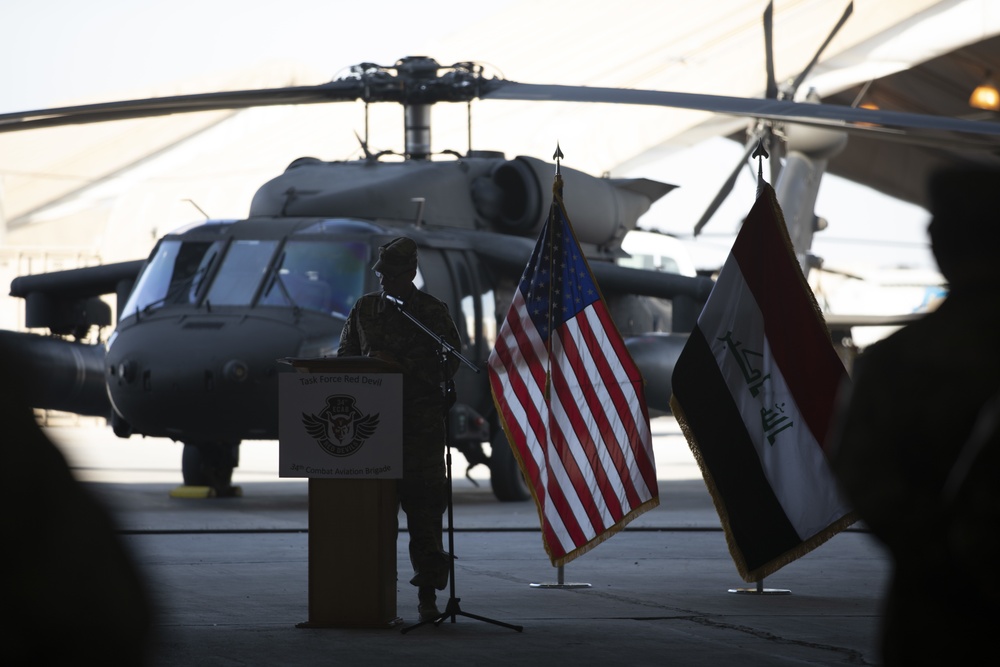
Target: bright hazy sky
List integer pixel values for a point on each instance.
(61, 50)
(54, 50)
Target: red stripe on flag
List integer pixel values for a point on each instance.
(608, 390)
(791, 319)
(537, 437)
(535, 421)
(583, 440)
(577, 488)
(636, 434)
(558, 503)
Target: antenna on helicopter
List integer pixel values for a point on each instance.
(191, 201)
(364, 142)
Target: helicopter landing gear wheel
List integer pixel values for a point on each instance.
(505, 475)
(211, 464)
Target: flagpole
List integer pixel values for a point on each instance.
(760, 153)
(556, 195)
(556, 201)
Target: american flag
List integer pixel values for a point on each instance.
(571, 399)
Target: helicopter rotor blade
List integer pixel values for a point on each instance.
(773, 143)
(411, 81)
(415, 84)
(727, 187)
(804, 73)
(765, 132)
(771, 91)
(911, 128)
(334, 91)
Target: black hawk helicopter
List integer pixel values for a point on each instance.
(203, 321)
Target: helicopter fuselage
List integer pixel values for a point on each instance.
(204, 325)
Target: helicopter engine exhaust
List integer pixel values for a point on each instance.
(602, 209)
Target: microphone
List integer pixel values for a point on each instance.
(392, 299)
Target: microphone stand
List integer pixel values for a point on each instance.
(452, 609)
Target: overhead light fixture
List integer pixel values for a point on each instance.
(986, 96)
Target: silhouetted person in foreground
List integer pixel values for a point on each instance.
(71, 593)
(916, 449)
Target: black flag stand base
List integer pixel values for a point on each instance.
(561, 583)
(760, 590)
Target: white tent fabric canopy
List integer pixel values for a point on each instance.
(115, 187)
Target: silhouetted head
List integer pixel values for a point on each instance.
(396, 266)
(965, 223)
(397, 256)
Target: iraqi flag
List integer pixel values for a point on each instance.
(754, 392)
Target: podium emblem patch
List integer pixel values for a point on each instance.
(340, 428)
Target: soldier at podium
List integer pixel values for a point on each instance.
(375, 327)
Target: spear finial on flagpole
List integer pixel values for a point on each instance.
(760, 153)
(556, 201)
(557, 181)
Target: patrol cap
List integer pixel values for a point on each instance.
(397, 256)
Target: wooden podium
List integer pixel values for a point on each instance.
(353, 526)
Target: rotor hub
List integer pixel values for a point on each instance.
(421, 80)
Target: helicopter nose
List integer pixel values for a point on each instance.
(206, 377)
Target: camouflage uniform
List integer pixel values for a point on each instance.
(375, 327)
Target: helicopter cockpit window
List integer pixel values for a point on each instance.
(467, 300)
(318, 274)
(173, 276)
(241, 272)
